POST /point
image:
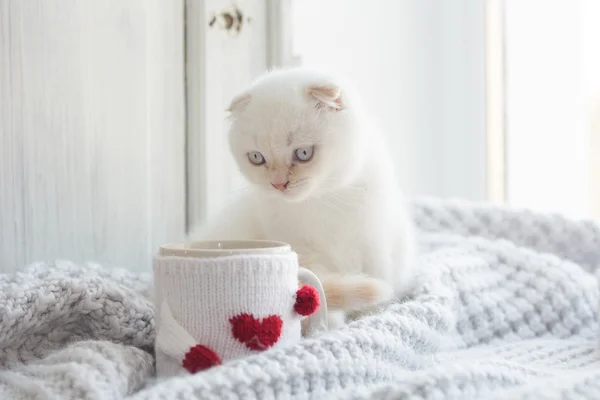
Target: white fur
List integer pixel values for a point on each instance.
(343, 212)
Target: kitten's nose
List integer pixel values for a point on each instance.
(280, 186)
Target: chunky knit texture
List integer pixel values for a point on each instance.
(216, 309)
(505, 307)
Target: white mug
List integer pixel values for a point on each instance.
(222, 300)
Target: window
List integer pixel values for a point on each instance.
(495, 101)
(552, 75)
(420, 67)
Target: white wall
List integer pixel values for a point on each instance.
(92, 157)
(420, 66)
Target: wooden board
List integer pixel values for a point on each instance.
(92, 130)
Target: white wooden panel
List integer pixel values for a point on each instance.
(91, 130)
(219, 65)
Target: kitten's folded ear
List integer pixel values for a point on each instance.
(239, 103)
(327, 96)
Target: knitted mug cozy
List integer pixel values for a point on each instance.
(210, 310)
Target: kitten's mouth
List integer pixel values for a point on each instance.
(280, 186)
(292, 191)
(295, 185)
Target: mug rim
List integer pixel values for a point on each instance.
(213, 248)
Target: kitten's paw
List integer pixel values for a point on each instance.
(356, 292)
(372, 292)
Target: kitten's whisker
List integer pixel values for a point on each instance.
(242, 189)
(341, 203)
(329, 204)
(351, 202)
(347, 195)
(350, 189)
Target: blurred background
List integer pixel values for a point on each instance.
(112, 129)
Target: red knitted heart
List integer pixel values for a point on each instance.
(199, 358)
(256, 334)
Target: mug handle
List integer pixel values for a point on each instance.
(319, 319)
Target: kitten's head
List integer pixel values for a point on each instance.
(295, 134)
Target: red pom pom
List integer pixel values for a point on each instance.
(307, 300)
(199, 358)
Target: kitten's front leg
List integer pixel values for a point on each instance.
(350, 293)
(355, 292)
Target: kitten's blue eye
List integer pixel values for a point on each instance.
(256, 158)
(304, 154)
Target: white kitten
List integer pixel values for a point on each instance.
(321, 180)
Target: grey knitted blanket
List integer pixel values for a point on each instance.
(505, 307)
